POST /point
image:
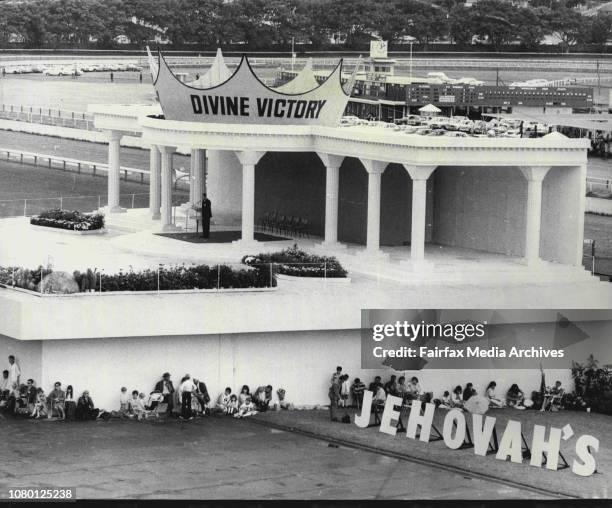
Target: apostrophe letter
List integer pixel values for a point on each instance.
(390, 414)
(196, 104)
(363, 420)
(584, 444)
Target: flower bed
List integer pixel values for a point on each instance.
(297, 263)
(64, 219)
(169, 279)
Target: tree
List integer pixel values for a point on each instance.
(599, 29)
(495, 21)
(568, 26)
(461, 29)
(530, 27)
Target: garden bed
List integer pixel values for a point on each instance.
(295, 263)
(291, 280)
(69, 220)
(74, 232)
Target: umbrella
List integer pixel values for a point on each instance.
(429, 110)
(477, 404)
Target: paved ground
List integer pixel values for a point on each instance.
(215, 458)
(559, 482)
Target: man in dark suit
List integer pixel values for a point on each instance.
(206, 215)
(201, 393)
(166, 388)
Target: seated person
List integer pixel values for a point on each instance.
(552, 397)
(401, 389)
(5, 389)
(357, 389)
(262, 397)
(232, 406)
(223, 400)
(490, 394)
(446, 401)
(40, 406)
(85, 409)
(246, 409)
(380, 396)
(140, 407)
(133, 404)
(375, 384)
(515, 397)
(200, 394)
(469, 392)
(244, 393)
(282, 401)
(56, 401)
(456, 397)
(391, 386)
(32, 393)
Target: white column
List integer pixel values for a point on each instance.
(248, 159)
(154, 182)
(166, 188)
(197, 184)
(534, 176)
(332, 183)
(581, 206)
(375, 170)
(419, 176)
(114, 177)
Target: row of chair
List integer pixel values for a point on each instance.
(284, 224)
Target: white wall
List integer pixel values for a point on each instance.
(300, 362)
(480, 208)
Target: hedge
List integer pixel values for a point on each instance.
(64, 219)
(296, 262)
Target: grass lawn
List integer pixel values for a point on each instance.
(562, 481)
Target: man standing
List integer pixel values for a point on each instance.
(334, 397)
(166, 388)
(186, 389)
(206, 215)
(14, 371)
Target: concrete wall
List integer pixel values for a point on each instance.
(560, 215)
(28, 355)
(480, 208)
(300, 362)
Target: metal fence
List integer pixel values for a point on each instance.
(598, 184)
(48, 116)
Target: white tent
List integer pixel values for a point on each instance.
(217, 74)
(304, 81)
(430, 109)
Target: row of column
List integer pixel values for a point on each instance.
(160, 179)
(161, 195)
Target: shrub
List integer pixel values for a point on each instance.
(296, 262)
(64, 219)
(170, 278)
(593, 387)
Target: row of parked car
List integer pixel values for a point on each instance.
(456, 126)
(75, 69)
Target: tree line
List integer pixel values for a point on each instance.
(312, 24)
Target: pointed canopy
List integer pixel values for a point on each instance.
(244, 99)
(303, 82)
(216, 74)
(430, 108)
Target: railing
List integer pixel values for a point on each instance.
(33, 206)
(48, 116)
(66, 163)
(594, 183)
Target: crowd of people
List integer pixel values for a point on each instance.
(345, 394)
(188, 400)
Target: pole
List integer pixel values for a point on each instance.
(411, 63)
(292, 52)
(218, 277)
(158, 268)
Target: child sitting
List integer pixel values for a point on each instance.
(40, 406)
(141, 410)
(223, 400)
(246, 409)
(133, 404)
(232, 405)
(490, 394)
